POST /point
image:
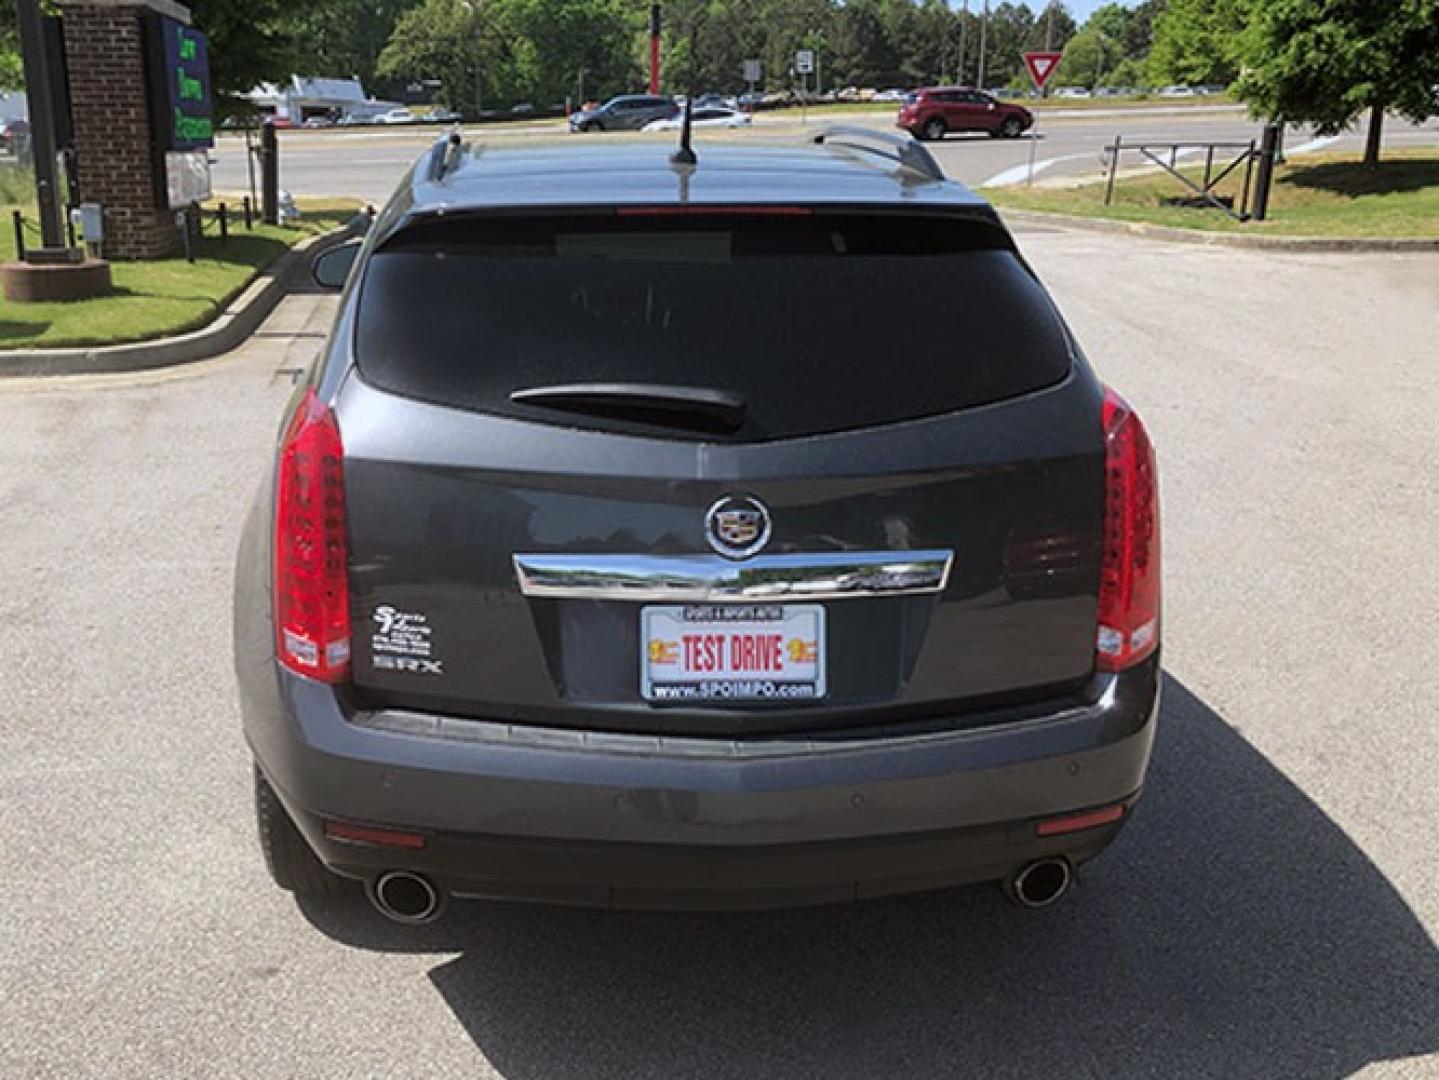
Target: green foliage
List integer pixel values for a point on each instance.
(1128, 72)
(517, 50)
(343, 38)
(1325, 61)
(1198, 42)
(1089, 54)
(249, 43)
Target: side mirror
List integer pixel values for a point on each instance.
(331, 268)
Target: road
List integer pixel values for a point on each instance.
(369, 164)
(1271, 911)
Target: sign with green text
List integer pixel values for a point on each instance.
(184, 111)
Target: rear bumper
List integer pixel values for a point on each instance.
(635, 821)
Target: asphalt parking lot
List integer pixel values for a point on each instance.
(1270, 912)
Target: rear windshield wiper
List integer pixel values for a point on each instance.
(692, 407)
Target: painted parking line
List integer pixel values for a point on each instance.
(1021, 172)
(1313, 144)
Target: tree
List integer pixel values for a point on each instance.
(514, 50)
(1089, 54)
(1327, 61)
(449, 40)
(12, 72)
(249, 44)
(343, 37)
(1196, 42)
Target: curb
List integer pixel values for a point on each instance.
(1328, 244)
(227, 330)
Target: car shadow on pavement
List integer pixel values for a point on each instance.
(1234, 930)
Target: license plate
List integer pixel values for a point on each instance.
(732, 652)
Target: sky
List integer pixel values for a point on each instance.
(1082, 9)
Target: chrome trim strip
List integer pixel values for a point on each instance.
(838, 575)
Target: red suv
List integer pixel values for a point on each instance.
(935, 110)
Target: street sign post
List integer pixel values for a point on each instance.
(803, 67)
(1042, 66)
(753, 72)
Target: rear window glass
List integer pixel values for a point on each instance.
(817, 323)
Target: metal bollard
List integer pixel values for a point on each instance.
(19, 220)
(1264, 178)
(182, 218)
(270, 174)
(224, 224)
(249, 214)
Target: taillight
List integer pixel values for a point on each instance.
(1129, 574)
(312, 595)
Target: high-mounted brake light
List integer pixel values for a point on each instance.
(312, 596)
(1129, 574)
(703, 210)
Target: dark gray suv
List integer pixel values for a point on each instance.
(641, 537)
(630, 112)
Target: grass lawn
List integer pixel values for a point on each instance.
(1313, 195)
(157, 299)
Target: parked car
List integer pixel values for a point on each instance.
(889, 95)
(1071, 92)
(396, 116)
(1176, 92)
(13, 132)
(709, 116)
(629, 112)
(639, 611)
(318, 122)
(523, 108)
(935, 111)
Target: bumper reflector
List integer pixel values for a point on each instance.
(1089, 819)
(360, 834)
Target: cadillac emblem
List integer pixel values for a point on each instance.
(737, 526)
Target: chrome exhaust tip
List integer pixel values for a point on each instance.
(407, 898)
(1040, 883)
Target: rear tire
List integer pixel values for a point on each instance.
(292, 865)
(933, 130)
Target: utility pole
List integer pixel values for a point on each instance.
(983, 35)
(474, 9)
(654, 48)
(1049, 27)
(42, 121)
(963, 33)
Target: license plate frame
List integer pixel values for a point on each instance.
(674, 672)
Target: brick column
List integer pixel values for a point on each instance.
(109, 105)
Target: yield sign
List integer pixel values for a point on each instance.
(1041, 66)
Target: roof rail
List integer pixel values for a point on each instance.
(901, 148)
(445, 155)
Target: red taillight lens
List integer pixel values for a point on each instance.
(312, 595)
(1129, 574)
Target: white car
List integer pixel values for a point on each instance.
(1176, 91)
(397, 116)
(711, 116)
